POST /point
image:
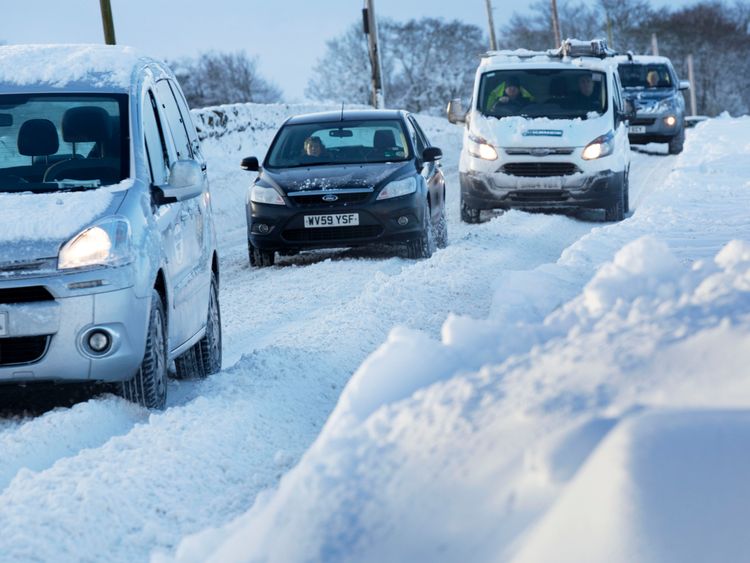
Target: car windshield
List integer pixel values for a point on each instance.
(645, 76)
(50, 142)
(551, 93)
(350, 142)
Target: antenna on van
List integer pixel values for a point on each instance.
(342, 111)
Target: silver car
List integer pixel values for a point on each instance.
(108, 262)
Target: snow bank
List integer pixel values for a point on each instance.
(493, 443)
(59, 65)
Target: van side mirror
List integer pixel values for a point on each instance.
(684, 85)
(185, 182)
(455, 111)
(630, 110)
(431, 154)
(250, 164)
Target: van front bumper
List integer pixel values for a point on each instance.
(482, 190)
(46, 340)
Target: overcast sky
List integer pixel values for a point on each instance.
(288, 36)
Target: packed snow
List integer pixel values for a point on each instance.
(544, 388)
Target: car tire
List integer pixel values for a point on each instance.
(626, 194)
(148, 387)
(204, 358)
(424, 245)
(615, 211)
(469, 214)
(677, 143)
(260, 258)
(441, 230)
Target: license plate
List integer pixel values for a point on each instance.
(333, 220)
(3, 324)
(637, 129)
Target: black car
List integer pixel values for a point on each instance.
(343, 179)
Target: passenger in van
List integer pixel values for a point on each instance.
(588, 97)
(509, 92)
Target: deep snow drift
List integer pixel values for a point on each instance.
(612, 429)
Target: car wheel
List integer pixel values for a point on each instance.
(260, 258)
(615, 211)
(626, 194)
(149, 385)
(441, 230)
(424, 245)
(204, 358)
(677, 143)
(469, 214)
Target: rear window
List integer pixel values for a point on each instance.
(48, 139)
(349, 142)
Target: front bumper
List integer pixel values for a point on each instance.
(378, 224)
(651, 128)
(482, 190)
(44, 340)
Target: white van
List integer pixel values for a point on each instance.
(547, 130)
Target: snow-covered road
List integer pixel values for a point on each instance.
(105, 480)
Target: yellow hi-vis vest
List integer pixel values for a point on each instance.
(499, 92)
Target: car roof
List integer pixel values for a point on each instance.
(643, 59)
(345, 115)
(73, 68)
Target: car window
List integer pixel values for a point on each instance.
(185, 113)
(175, 122)
(156, 148)
(634, 75)
(552, 93)
(349, 142)
(417, 137)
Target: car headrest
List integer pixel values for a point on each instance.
(383, 139)
(38, 137)
(86, 124)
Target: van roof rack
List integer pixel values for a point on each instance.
(570, 48)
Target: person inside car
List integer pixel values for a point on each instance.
(313, 150)
(588, 97)
(510, 94)
(652, 79)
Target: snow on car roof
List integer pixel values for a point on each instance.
(522, 57)
(60, 65)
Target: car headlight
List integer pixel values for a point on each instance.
(599, 147)
(670, 121)
(398, 188)
(262, 194)
(107, 243)
(481, 149)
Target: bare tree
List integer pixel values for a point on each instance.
(222, 78)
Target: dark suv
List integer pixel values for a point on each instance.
(651, 84)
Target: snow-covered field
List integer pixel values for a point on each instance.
(544, 389)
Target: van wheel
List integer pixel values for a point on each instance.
(677, 143)
(260, 258)
(469, 214)
(441, 230)
(204, 358)
(424, 245)
(148, 387)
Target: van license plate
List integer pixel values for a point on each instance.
(3, 324)
(637, 129)
(334, 220)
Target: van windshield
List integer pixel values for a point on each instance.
(50, 142)
(645, 76)
(340, 142)
(551, 93)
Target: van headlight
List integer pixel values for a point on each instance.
(599, 147)
(107, 243)
(262, 194)
(398, 188)
(480, 148)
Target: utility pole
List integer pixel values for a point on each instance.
(491, 23)
(371, 29)
(691, 78)
(654, 45)
(556, 24)
(107, 23)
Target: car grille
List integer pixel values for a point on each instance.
(643, 121)
(332, 234)
(539, 151)
(539, 195)
(31, 294)
(342, 198)
(23, 350)
(539, 169)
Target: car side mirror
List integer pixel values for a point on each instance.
(185, 182)
(684, 85)
(431, 154)
(250, 164)
(456, 112)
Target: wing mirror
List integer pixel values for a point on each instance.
(185, 182)
(250, 164)
(684, 85)
(455, 111)
(432, 154)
